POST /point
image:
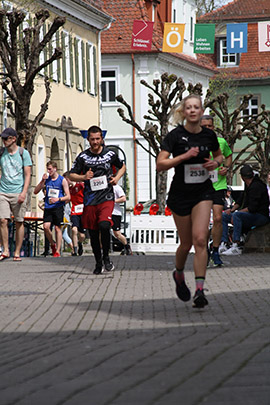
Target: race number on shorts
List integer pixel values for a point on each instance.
(213, 176)
(78, 209)
(195, 174)
(98, 183)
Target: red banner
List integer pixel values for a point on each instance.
(142, 35)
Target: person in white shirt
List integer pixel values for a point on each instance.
(119, 197)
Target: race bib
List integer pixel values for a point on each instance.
(195, 174)
(53, 193)
(78, 209)
(213, 176)
(98, 183)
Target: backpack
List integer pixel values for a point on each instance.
(21, 149)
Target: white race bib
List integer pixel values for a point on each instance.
(195, 173)
(98, 183)
(78, 208)
(53, 192)
(213, 176)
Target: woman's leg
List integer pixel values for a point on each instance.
(200, 217)
(184, 229)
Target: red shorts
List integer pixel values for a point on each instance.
(94, 214)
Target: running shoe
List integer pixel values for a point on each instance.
(223, 247)
(182, 290)
(56, 254)
(98, 268)
(108, 265)
(216, 259)
(233, 251)
(128, 250)
(199, 300)
(80, 250)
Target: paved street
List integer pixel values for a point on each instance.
(69, 337)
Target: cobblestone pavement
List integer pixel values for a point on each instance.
(70, 337)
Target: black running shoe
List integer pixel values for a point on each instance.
(108, 265)
(199, 300)
(128, 250)
(80, 250)
(98, 269)
(182, 291)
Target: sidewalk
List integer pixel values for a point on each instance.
(70, 337)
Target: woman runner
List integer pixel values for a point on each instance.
(191, 191)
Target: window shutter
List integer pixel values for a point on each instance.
(218, 52)
(71, 61)
(64, 74)
(83, 65)
(58, 60)
(88, 72)
(77, 80)
(95, 68)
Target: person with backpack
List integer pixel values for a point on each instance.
(15, 164)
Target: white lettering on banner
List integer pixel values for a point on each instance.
(98, 183)
(213, 176)
(53, 192)
(168, 38)
(78, 208)
(195, 174)
(241, 39)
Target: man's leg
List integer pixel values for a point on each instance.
(4, 234)
(217, 233)
(96, 248)
(19, 238)
(58, 233)
(75, 239)
(226, 219)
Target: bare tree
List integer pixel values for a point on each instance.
(206, 6)
(169, 92)
(18, 83)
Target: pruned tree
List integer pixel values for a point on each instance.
(169, 92)
(19, 83)
(206, 6)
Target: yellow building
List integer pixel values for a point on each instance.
(75, 82)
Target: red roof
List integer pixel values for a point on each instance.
(240, 10)
(253, 64)
(117, 40)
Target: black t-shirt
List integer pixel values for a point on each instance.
(179, 141)
(98, 189)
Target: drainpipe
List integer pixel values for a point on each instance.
(134, 131)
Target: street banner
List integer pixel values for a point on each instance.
(237, 38)
(173, 38)
(204, 38)
(264, 36)
(142, 35)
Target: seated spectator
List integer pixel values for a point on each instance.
(251, 210)
(229, 201)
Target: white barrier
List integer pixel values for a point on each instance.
(153, 233)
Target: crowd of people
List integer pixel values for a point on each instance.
(89, 197)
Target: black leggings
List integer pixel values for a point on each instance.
(104, 232)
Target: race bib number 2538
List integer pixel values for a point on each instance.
(195, 174)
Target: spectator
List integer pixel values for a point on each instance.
(251, 210)
(15, 163)
(229, 201)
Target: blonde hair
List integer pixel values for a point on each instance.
(178, 116)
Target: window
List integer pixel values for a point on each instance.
(108, 85)
(227, 59)
(67, 62)
(252, 108)
(154, 8)
(174, 13)
(54, 68)
(91, 69)
(79, 64)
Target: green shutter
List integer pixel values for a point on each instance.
(71, 61)
(88, 71)
(64, 67)
(83, 66)
(95, 68)
(76, 58)
(58, 60)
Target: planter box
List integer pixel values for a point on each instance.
(153, 233)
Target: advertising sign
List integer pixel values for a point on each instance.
(237, 38)
(142, 35)
(173, 38)
(204, 38)
(264, 36)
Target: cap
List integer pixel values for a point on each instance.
(229, 188)
(9, 132)
(246, 171)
